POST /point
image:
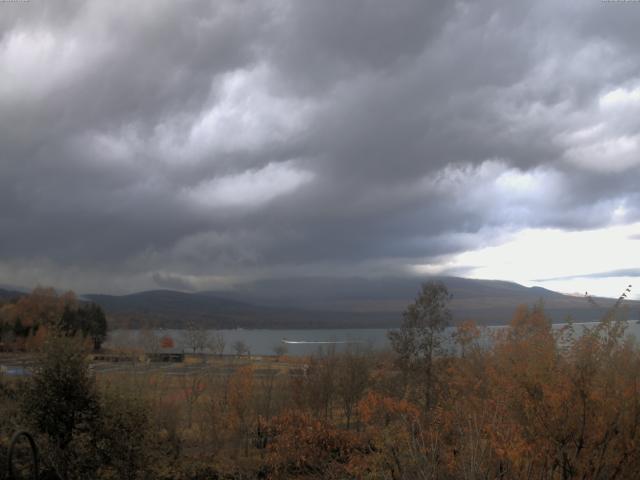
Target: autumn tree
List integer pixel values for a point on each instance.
(167, 342)
(123, 435)
(391, 426)
(319, 384)
(241, 348)
(240, 397)
(192, 386)
(216, 343)
(533, 407)
(352, 380)
(196, 338)
(149, 341)
(467, 337)
(306, 448)
(43, 307)
(420, 338)
(215, 411)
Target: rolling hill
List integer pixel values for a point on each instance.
(336, 303)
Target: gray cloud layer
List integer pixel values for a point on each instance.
(197, 144)
(624, 272)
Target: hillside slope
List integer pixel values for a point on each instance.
(336, 303)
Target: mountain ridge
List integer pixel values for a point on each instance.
(325, 302)
(317, 302)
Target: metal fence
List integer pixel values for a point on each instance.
(32, 460)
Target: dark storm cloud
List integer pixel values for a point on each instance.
(195, 144)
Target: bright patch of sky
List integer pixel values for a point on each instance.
(602, 262)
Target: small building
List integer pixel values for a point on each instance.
(167, 355)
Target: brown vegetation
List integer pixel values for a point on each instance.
(534, 402)
(27, 320)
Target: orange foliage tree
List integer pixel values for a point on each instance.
(167, 342)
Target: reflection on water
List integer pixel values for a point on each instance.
(303, 342)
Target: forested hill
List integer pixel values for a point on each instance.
(337, 303)
(174, 309)
(9, 294)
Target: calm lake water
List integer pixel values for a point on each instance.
(298, 342)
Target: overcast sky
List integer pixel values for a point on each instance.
(198, 145)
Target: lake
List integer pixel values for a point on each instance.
(298, 341)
